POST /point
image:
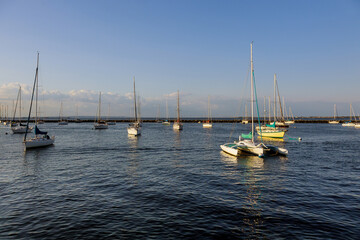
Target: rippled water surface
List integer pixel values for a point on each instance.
(102, 184)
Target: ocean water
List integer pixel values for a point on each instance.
(103, 184)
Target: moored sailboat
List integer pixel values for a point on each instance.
(135, 127)
(100, 124)
(350, 123)
(166, 121)
(246, 143)
(19, 127)
(177, 124)
(335, 115)
(208, 123)
(41, 139)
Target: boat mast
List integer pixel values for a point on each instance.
(32, 97)
(135, 110)
(274, 97)
(178, 108)
(252, 92)
(17, 99)
(20, 107)
(334, 111)
(208, 108)
(269, 109)
(167, 110)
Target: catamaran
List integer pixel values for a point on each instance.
(18, 127)
(335, 115)
(100, 124)
(246, 143)
(135, 127)
(41, 139)
(208, 123)
(177, 124)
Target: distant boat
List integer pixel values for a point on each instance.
(177, 124)
(61, 120)
(270, 131)
(110, 122)
(208, 123)
(246, 143)
(281, 122)
(350, 123)
(41, 138)
(245, 120)
(166, 121)
(18, 127)
(100, 124)
(77, 119)
(135, 127)
(335, 115)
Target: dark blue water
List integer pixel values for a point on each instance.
(166, 185)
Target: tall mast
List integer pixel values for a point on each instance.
(37, 91)
(209, 108)
(264, 108)
(269, 109)
(178, 108)
(20, 107)
(135, 110)
(252, 92)
(274, 97)
(167, 110)
(99, 113)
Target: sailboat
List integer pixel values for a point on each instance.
(292, 117)
(61, 120)
(166, 122)
(335, 115)
(246, 143)
(100, 124)
(245, 121)
(77, 119)
(18, 127)
(41, 138)
(110, 122)
(135, 127)
(349, 123)
(281, 122)
(208, 123)
(177, 124)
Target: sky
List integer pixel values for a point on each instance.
(201, 48)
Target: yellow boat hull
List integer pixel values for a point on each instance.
(272, 134)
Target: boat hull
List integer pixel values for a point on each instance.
(334, 122)
(207, 125)
(348, 124)
(63, 123)
(272, 134)
(177, 126)
(38, 142)
(100, 126)
(20, 130)
(134, 131)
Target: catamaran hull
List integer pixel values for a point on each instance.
(39, 142)
(236, 149)
(134, 131)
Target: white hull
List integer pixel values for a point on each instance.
(177, 126)
(134, 131)
(100, 126)
(289, 122)
(357, 125)
(21, 129)
(166, 123)
(348, 124)
(39, 142)
(207, 125)
(244, 121)
(334, 122)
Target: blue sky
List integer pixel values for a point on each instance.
(199, 47)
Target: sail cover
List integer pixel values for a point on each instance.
(37, 131)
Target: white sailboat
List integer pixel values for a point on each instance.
(110, 122)
(41, 139)
(177, 124)
(335, 115)
(61, 120)
(208, 123)
(135, 127)
(100, 124)
(281, 122)
(18, 127)
(245, 120)
(249, 146)
(350, 123)
(166, 121)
